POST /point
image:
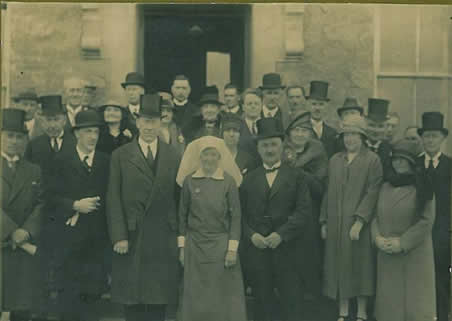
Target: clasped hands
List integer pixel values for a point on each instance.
(229, 261)
(390, 245)
(272, 241)
(83, 206)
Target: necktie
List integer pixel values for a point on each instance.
(254, 128)
(430, 168)
(85, 164)
(150, 158)
(271, 170)
(55, 146)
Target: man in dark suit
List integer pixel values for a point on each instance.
(57, 139)
(438, 167)
(27, 100)
(377, 115)
(232, 100)
(252, 109)
(76, 194)
(184, 109)
(73, 94)
(142, 219)
(276, 208)
(134, 87)
(318, 103)
(296, 100)
(20, 215)
(272, 89)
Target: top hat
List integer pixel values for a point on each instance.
(350, 103)
(210, 96)
(87, 118)
(28, 94)
(231, 121)
(318, 90)
(303, 120)
(150, 106)
(133, 78)
(432, 120)
(51, 105)
(408, 149)
(13, 119)
(378, 109)
(268, 128)
(355, 124)
(271, 81)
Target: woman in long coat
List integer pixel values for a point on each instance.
(402, 232)
(355, 177)
(209, 229)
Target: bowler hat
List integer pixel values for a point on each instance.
(318, 90)
(303, 120)
(271, 81)
(231, 121)
(408, 149)
(378, 109)
(28, 94)
(210, 96)
(87, 118)
(13, 119)
(268, 128)
(350, 103)
(432, 120)
(150, 106)
(133, 78)
(51, 105)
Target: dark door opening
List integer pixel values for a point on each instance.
(179, 40)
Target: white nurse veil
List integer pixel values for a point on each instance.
(191, 161)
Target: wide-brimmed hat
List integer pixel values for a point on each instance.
(433, 120)
(353, 124)
(87, 118)
(318, 90)
(210, 96)
(268, 128)
(408, 149)
(27, 94)
(303, 120)
(350, 103)
(377, 109)
(272, 81)
(150, 106)
(111, 103)
(51, 105)
(133, 78)
(231, 121)
(13, 119)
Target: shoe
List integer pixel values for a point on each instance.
(342, 318)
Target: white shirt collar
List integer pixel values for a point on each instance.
(278, 164)
(13, 159)
(29, 124)
(180, 103)
(75, 110)
(435, 159)
(376, 145)
(144, 146)
(217, 175)
(272, 112)
(316, 123)
(134, 108)
(82, 156)
(233, 110)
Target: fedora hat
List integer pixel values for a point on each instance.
(133, 78)
(210, 96)
(408, 149)
(378, 109)
(28, 94)
(87, 118)
(303, 120)
(271, 81)
(318, 90)
(350, 103)
(51, 105)
(268, 128)
(432, 120)
(150, 106)
(13, 120)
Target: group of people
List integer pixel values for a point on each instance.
(165, 202)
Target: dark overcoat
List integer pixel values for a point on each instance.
(20, 208)
(142, 208)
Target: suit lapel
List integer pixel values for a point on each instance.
(137, 159)
(7, 182)
(279, 181)
(20, 178)
(160, 172)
